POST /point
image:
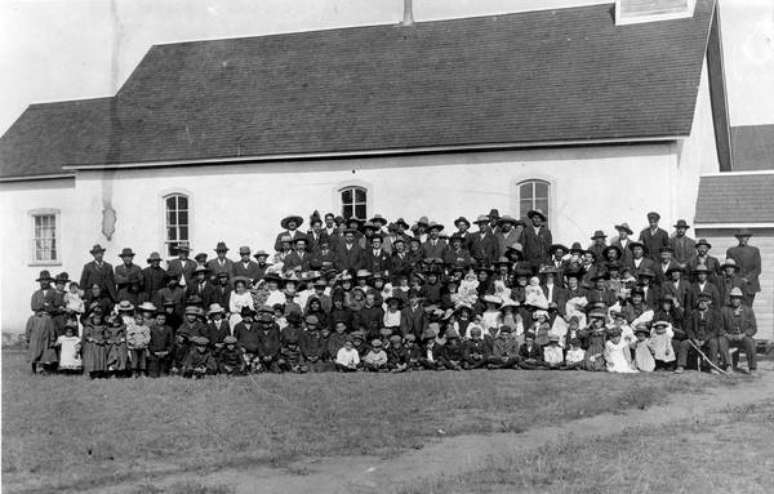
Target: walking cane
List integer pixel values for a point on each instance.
(704, 356)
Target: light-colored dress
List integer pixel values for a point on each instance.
(236, 302)
(69, 353)
(643, 357)
(618, 357)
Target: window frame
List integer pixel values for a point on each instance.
(165, 241)
(32, 215)
(622, 20)
(548, 199)
(339, 188)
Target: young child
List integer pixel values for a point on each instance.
(413, 352)
(530, 354)
(74, 304)
(117, 354)
(533, 294)
(376, 359)
(397, 356)
(160, 345)
(231, 358)
(137, 339)
(94, 345)
(476, 353)
(595, 337)
(70, 349)
(505, 351)
(541, 327)
(643, 354)
(661, 344)
(575, 355)
(291, 359)
(180, 351)
(217, 326)
(453, 351)
(347, 358)
(199, 362)
(553, 355)
(246, 333)
(617, 353)
(491, 316)
(337, 339)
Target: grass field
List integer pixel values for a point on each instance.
(731, 451)
(73, 433)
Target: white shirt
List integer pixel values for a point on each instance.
(552, 354)
(347, 357)
(391, 319)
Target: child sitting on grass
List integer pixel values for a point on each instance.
(618, 354)
(231, 358)
(199, 362)
(553, 355)
(376, 359)
(397, 356)
(595, 335)
(180, 351)
(291, 359)
(575, 355)
(70, 349)
(643, 353)
(347, 358)
(661, 343)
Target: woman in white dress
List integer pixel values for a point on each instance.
(239, 298)
(618, 355)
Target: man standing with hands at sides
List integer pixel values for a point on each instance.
(483, 245)
(654, 238)
(748, 259)
(99, 272)
(683, 246)
(536, 239)
(183, 267)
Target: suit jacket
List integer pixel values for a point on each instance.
(413, 321)
(154, 279)
(294, 236)
(297, 259)
(626, 252)
(251, 271)
(351, 258)
(646, 262)
(216, 267)
(206, 292)
(682, 292)
(505, 240)
(654, 242)
(558, 296)
(313, 240)
(710, 290)
(712, 264)
(376, 262)
(177, 268)
(685, 249)
(125, 274)
(661, 276)
(483, 250)
(652, 296)
(743, 324)
(101, 275)
(458, 258)
(400, 265)
(438, 250)
(220, 294)
(726, 284)
(703, 325)
(327, 260)
(536, 245)
(43, 300)
(749, 260)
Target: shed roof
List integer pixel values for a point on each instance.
(552, 76)
(736, 198)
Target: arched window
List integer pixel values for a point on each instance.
(177, 221)
(534, 194)
(353, 202)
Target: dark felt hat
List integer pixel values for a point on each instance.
(461, 219)
(598, 234)
(96, 248)
(681, 224)
(221, 247)
(126, 252)
(703, 241)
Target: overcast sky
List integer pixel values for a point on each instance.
(69, 49)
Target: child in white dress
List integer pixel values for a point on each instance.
(618, 353)
(74, 305)
(70, 349)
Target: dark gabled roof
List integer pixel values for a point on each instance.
(732, 198)
(549, 76)
(49, 135)
(753, 147)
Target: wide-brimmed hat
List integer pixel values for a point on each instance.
(598, 234)
(507, 219)
(199, 340)
(221, 247)
(229, 340)
(597, 314)
(45, 276)
(636, 243)
(182, 247)
(653, 214)
(244, 250)
(378, 218)
(743, 232)
(736, 292)
(260, 253)
(215, 309)
(124, 306)
(126, 252)
(514, 248)
(401, 221)
(577, 247)
(730, 263)
(295, 218)
(146, 307)
(423, 221)
(246, 312)
(674, 268)
(96, 248)
(243, 279)
(703, 241)
(681, 224)
(537, 212)
(62, 277)
(482, 218)
(502, 260)
(202, 256)
(547, 269)
(434, 225)
(701, 268)
(492, 299)
(509, 303)
(154, 256)
(461, 219)
(624, 227)
(641, 329)
(554, 247)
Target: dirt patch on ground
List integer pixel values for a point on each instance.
(455, 455)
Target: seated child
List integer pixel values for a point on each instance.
(180, 351)
(541, 327)
(643, 353)
(661, 344)
(413, 351)
(337, 338)
(199, 362)
(595, 336)
(575, 355)
(376, 359)
(70, 349)
(476, 352)
(617, 353)
(453, 351)
(397, 356)
(533, 294)
(530, 354)
(291, 359)
(347, 358)
(553, 355)
(505, 350)
(231, 358)
(432, 354)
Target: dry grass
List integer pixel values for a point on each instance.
(728, 452)
(70, 432)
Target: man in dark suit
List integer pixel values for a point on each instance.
(702, 286)
(555, 294)
(622, 242)
(349, 255)
(182, 266)
(221, 263)
(748, 258)
(291, 225)
(245, 266)
(299, 257)
(375, 258)
(317, 234)
(684, 247)
(702, 258)
(598, 246)
(665, 265)
(202, 287)
(457, 255)
(536, 239)
(639, 261)
(463, 225)
(434, 247)
(400, 264)
(654, 238)
(729, 279)
(154, 276)
(100, 272)
(676, 286)
(128, 272)
(483, 245)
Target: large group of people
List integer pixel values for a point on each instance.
(354, 295)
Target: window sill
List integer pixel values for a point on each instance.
(44, 263)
